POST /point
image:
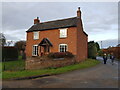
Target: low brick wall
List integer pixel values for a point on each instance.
(40, 63)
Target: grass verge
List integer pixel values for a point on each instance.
(26, 73)
(17, 65)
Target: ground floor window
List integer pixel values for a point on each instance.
(63, 47)
(35, 50)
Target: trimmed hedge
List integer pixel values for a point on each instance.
(9, 54)
(60, 55)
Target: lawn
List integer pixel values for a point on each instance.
(25, 73)
(13, 65)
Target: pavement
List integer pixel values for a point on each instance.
(100, 76)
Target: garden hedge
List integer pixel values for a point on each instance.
(9, 54)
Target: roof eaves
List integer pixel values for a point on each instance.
(51, 28)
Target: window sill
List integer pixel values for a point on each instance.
(35, 39)
(34, 55)
(62, 37)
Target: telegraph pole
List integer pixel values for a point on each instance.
(101, 44)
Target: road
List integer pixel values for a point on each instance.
(100, 76)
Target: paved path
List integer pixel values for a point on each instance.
(100, 76)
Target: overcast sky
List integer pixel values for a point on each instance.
(100, 20)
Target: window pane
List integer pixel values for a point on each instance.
(65, 48)
(35, 50)
(62, 50)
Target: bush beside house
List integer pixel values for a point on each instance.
(60, 55)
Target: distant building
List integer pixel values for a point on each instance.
(114, 50)
(118, 45)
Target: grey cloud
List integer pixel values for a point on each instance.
(107, 43)
(97, 17)
(11, 37)
(102, 16)
(21, 15)
(15, 35)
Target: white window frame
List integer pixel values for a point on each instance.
(64, 49)
(36, 35)
(63, 33)
(33, 54)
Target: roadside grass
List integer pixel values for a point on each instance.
(26, 73)
(17, 65)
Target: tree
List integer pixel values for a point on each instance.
(20, 45)
(97, 46)
(2, 39)
(8, 43)
(92, 49)
(100, 52)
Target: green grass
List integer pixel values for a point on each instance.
(25, 73)
(13, 65)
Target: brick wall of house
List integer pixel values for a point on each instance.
(82, 40)
(53, 36)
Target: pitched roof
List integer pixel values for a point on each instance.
(45, 42)
(63, 23)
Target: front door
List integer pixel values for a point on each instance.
(44, 50)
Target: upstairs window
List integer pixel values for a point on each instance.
(63, 47)
(35, 35)
(63, 33)
(35, 50)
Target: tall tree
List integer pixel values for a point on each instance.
(97, 46)
(20, 45)
(92, 49)
(2, 39)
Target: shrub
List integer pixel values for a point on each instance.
(69, 55)
(9, 54)
(100, 53)
(60, 55)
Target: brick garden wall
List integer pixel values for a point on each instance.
(40, 63)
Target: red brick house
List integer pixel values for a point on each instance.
(57, 36)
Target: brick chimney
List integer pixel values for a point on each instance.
(79, 20)
(78, 13)
(36, 20)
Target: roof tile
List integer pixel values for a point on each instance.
(63, 23)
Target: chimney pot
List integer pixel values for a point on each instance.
(78, 12)
(38, 18)
(36, 21)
